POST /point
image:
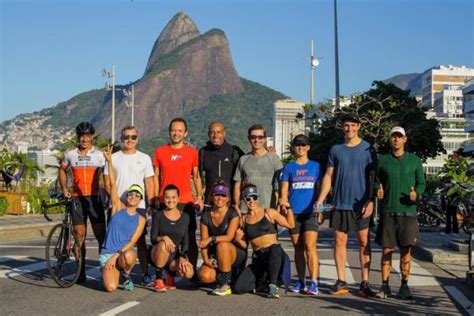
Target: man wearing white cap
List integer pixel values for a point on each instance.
(400, 182)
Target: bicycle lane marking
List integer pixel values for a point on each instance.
(119, 309)
(29, 268)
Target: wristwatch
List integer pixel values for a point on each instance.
(213, 239)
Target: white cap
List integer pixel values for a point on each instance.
(398, 129)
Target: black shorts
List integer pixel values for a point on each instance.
(88, 207)
(189, 209)
(305, 223)
(401, 231)
(349, 221)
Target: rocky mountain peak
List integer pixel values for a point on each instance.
(179, 30)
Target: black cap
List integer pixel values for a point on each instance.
(352, 117)
(300, 139)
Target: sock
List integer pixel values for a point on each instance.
(223, 278)
(160, 273)
(404, 282)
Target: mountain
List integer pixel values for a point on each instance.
(410, 82)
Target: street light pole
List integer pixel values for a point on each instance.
(131, 93)
(311, 81)
(336, 52)
(111, 75)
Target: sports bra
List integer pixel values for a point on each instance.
(220, 230)
(260, 228)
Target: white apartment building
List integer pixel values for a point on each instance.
(453, 137)
(468, 108)
(285, 124)
(47, 161)
(442, 89)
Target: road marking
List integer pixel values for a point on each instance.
(466, 304)
(328, 273)
(36, 247)
(29, 268)
(11, 258)
(120, 308)
(418, 275)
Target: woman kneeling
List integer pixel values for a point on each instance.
(123, 231)
(221, 258)
(261, 231)
(170, 239)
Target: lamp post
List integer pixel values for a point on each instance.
(111, 75)
(336, 53)
(131, 103)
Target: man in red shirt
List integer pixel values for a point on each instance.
(177, 163)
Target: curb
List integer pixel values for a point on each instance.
(20, 232)
(439, 256)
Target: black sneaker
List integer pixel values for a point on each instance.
(404, 292)
(339, 288)
(384, 292)
(364, 290)
(82, 277)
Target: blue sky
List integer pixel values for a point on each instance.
(52, 50)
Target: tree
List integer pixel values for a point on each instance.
(456, 169)
(379, 109)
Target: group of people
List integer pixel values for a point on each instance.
(244, 199)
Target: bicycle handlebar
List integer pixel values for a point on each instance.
(44, 207)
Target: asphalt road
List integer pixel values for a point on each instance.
(26, 289)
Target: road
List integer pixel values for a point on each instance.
(26, 289)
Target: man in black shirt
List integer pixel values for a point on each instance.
(218, 159)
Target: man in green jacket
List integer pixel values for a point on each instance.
(400, 182)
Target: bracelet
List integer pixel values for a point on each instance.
(213, 239)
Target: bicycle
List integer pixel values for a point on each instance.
(63, 249)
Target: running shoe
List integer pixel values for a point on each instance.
(128, 284)
(147, 280)
(364, 290)
(339, 288)
(222, 291)
(273, 291)
(82, 277)
(299, 287)
(170, 285)
(313, 289)
(404, 292)
(160, 286)
(384, 292)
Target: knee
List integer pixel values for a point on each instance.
(310, 247)
(207, 275)
(130, 257)
(109, 287)
(387, 251)
(189, 272)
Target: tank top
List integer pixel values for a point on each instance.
(220, 230)
(260, 228)
(121, 228)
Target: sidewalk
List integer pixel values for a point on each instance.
(24, 227)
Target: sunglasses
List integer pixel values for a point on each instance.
(134, 194)
(128, 137)
(251, 198)
(259, 137)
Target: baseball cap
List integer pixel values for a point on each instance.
(136, 188)
(397, 129)
(249, 191)
(352, 117)
(300, 139)
(220, 189)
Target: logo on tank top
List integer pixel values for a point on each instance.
(176, 157)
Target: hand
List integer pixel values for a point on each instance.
(183, 265)
(67, 194)
(208, 263)
(412, 194)
(169, 244)
(214, 263)
(239, 234)
(271, 149)
(112, 262)
(204, 242)
(318, 206)
(368, 209)
(156, 203)
(199, 205)
(108, 153)
(380, 192)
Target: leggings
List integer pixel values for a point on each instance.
(267, 261)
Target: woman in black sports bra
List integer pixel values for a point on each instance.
(260, 230)
(221, 258)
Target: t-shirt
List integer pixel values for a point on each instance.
(262, 172)
(130, 169)
(302, 185)
(397, 177)
(177, 231)
(353, 167)
(85, 170)
(176, 166)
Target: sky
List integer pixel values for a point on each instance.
(52, 50)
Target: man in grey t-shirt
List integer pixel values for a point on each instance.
(259, 167)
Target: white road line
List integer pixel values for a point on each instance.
(119, 309)
(11, 258)
(11, 273)
(328, 273)
(466, 304)
(418, 275)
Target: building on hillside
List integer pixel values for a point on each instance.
(468, 108)
(453, 137)
(286, 125)
(442, 89)
(46, 160)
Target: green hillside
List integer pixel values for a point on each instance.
(237, 112)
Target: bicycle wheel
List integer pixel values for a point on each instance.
(63, 255)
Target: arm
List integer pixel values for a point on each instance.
(287, 221)
(204, 250)
(150, 189)
(240, 239)
(236, 196)
(198, 186)
(63, 179)
(156, 185)
(325, 186)
(107, 183)
(284, 185)
(114, 197)
(420, 183)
